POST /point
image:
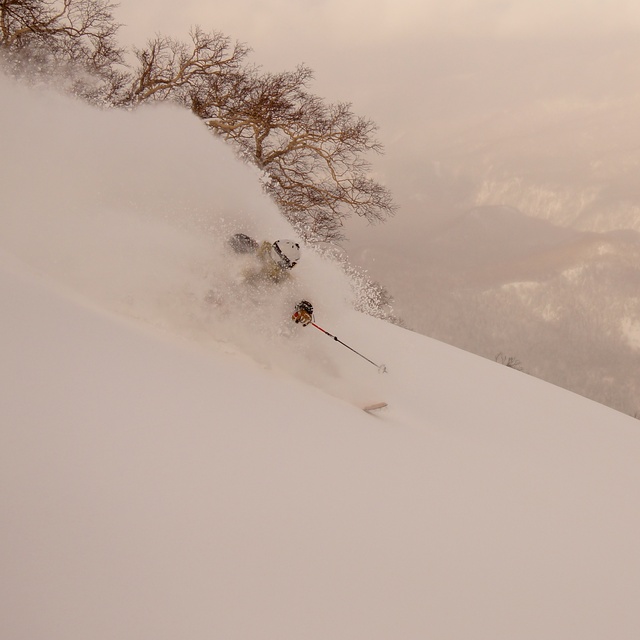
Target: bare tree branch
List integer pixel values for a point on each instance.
(313, 153)
(170, 69)
(43, 36)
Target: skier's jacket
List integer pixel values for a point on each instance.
(268, 270)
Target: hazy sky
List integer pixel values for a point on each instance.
(439, 77)
(283, 33)
(398, 59)
(275, 24)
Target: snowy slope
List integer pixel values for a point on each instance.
(159, 488)
(175, 471)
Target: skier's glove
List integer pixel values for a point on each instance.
(303, 313)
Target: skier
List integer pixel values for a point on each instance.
(275, 262)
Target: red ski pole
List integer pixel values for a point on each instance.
(381, 368)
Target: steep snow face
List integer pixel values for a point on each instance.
(172, 468)
(155, 487)
(134, 210)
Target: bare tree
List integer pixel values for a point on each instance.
(509, 361)
(41, 36)
(313, 153)
(169, 69)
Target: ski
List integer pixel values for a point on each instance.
(370, 408)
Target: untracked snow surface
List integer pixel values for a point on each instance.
(183, 465)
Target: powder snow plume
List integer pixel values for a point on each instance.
(132, 210)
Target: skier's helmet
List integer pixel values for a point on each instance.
(285, 253)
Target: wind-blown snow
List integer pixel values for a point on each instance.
(174, 470)
(133, 211)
